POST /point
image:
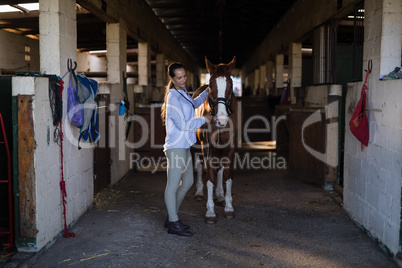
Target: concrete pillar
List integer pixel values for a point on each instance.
(324, 54)
(245, 81)
(144, 69)
(319, 55)
(256, 81)
(263, 79)
(160, 70)
(144, 64)
(58, 35)
(279, 72)
(250, 83)
(295, 69)
(116, 43)
(391, 36)
(270, 71)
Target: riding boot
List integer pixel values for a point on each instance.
(176, 228)
(185, 226)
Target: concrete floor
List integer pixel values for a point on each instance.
(280, 222)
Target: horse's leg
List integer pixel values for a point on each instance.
(210, 216)
(199, 194)
(228, 175)
(219, 188)
(229, 211)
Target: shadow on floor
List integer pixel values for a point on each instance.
(280, 222)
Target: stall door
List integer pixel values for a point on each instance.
(102, 160)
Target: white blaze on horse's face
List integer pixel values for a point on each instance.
(222, 115)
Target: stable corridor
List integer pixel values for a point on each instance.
(280, 221)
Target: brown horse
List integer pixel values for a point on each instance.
(218, 138)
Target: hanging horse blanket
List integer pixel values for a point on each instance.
(87, 90)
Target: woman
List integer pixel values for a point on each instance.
(178, 117)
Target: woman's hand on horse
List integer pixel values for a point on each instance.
(208, 118)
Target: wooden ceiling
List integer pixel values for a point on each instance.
(218, 29)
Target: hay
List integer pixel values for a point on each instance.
(109, 198)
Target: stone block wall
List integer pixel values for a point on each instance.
(78, 166)
(120, 153)
(372, 177)
(12, 53)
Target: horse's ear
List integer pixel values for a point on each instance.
(210, 66)
(231, 65)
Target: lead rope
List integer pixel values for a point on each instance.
(207, 138)
(185, 97)
(67, 234)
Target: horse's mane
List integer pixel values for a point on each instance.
(201, 110)
(205, 106)
(199, 91)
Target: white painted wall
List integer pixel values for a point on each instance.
(119, 152)
(12, 52)
(120, 149)
(78, 171)
(90, 63)
(373, 178)
(12, 57)
(78, 164)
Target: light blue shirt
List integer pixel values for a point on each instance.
(180, 121)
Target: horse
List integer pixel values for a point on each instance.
(218, 138)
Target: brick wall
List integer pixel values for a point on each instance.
(373, 177)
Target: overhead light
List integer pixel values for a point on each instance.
(30, 6)
(97, 51)
(7, 8)
(15, 31)
(357, 17)
(19, 7)
(32, 36)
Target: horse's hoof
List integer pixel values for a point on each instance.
(210, 220)
(199, 197)
(229, 214)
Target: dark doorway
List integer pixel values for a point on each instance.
(102, 160)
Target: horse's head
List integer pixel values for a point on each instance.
(220, 95)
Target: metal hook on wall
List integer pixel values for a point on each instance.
(70, 65)
(369, 66)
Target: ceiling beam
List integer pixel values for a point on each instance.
(141, 24)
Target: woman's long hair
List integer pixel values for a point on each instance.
(171, 68)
